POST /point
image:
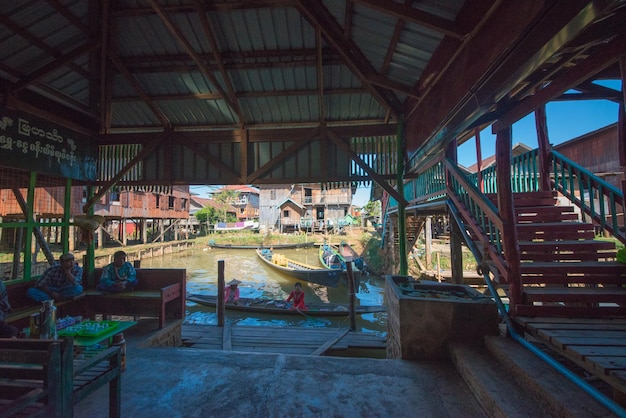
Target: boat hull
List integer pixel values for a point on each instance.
(304, 272)
(279, 307)
(254, 247)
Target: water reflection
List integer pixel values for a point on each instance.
(259, 281)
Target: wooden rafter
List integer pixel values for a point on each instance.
(318, 15)
(403, 11)
(165, 122)
(284, 154)
(336, 139)
(173, 29)
(208, 32)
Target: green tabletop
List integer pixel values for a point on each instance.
(88, 341)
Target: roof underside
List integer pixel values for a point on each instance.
(210, 68)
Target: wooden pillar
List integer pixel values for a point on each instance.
(428, 242)
(162, 229)
(621, 121)
(506, 208)
(100, 232)
(403, 254)
(123, 231)
(221, 306)
(541, 125)
(351, 295)
(67, 238)
(456, 254)
(479, 161)
(144, 231)
(456, 249)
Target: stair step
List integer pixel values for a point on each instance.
(542, 214)
(615, 295)
(566, 245)
(529, 199)
(557, 396)
(571, 250)
(570, 272)
(558, 310)
(550, 231)
(496, 391)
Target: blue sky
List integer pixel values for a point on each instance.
(566, 120)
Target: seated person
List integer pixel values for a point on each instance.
(297, 295)
(119, 276)
(6, 330)
(231, 293)
(59, 282)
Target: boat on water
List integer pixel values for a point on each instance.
(254, 247)
(280, 307)
(298, 270)
(331, 258)
(349, 254)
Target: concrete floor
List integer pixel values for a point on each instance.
(187, 382)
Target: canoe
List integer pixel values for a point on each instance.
(279, 307)
(254, 247)
(349, 254)
(298, 270)
(331, 259)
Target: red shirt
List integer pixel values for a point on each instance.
(298, 299)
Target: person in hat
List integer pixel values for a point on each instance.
(297, 296)
(231, 293)
(59, 282)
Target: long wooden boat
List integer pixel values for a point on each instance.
(279, 307)
(298, 270)
(254, 247)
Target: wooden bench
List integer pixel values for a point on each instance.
(42, 378)
(22, 306)
(160, 293)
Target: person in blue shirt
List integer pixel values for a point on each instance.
(59, 282)
(119, 276)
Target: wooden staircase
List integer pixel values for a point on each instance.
(564, 270)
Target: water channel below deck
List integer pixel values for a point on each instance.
(259, 281)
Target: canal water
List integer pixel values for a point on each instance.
(260, 281)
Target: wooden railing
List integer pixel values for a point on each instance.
(600, 200)
(479, 215)
(524, 174)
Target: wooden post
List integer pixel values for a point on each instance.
(220, 293)
(456, 254)
(351, 295)
(621, 121)
(428, 242)
(479, 161)
(506, 207)
(541, 125)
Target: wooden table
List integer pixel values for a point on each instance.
(86, 341)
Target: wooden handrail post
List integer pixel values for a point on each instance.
(221, 306)
(350, 275)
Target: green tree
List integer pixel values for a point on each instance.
(226, 197)
(372, 209)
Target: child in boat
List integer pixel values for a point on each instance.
(231, 293)
(297, 295)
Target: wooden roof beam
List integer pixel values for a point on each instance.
(208, 32)
(317, 14)
(411, 14)
(171, 27)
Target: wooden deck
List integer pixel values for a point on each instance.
(284, 340)
(597, 345)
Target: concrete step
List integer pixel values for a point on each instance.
(507, 378)
(498, 393)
